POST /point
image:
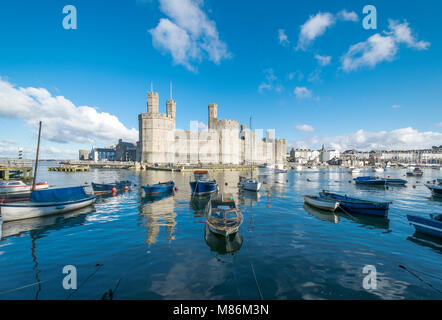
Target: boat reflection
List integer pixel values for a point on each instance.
(200, 205)
(39, 227)
(321, 214)
(426, 241)
(248, 197)
(158, 211)
(223, 245)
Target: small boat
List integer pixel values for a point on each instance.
(417, 172)
(360, 206)
(436, 190)
(354, 170)
(279, 168)
(321, 203)
(370, 180)
(17, 186)
(101, 188)
(378, 169)
(160, 187)
(47, 202)
(202, 185)
(249, 184)
(431, 226)
(224, 218)
(396, 182)
(439, 181)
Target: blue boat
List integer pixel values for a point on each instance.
(100, 188)
(160, 187)
(202, 185)
(359, 206)
(436, 190)
(396, 182)
(431, 226)
(370, 180)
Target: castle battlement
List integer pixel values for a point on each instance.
(221, 143)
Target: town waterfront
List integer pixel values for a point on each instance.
(159, 249)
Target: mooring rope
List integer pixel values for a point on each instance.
(98, 265)
(418, 277)
(23, 287)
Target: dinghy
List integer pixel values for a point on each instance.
(370, 180)
(249, 184)
(202, 185)
(360, 206)
(47, 202)
(160, 187)
(431, 226)
(417, 172)
(321, 203)
(436, 190)
(10, 187)
(101, 188)
(224, 218)
(396, 182)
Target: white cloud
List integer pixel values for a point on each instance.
(189, 35)
(314, 27)
(347, 16)
(283, 39)
(302, 93)
(399, 139)
(271, 82)
(395, 106)
(379, 48)
(323, 60)
(439, 124)
(305, 128)
(62, 121)
(298, 74)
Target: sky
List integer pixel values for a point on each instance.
(308, 69)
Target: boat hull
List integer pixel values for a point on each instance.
(22, 189)
(435, 190)
(425, 225)
(248, 185)
(19, 211)
(359, 206)
(155, 189)
(102, 188)
(200, 188)
(321, 203)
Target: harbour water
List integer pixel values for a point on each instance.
(160, 249)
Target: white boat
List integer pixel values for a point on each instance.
(17, 186)
(224, 218)
(298, 167)
(279, 168)
(378, 169)
(47, 202)
(249, 184)
(355, 170)
(321, 203)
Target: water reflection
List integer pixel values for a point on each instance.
(200, 205)
(223, 245)
(250, 198)
(426, 241)
(158, 212)
(321, 214)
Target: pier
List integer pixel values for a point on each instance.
(70, 168)
(7, 173)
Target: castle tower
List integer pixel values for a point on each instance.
(152, 102)
(171, 108)
(213, 115)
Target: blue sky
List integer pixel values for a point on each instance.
(256, 58)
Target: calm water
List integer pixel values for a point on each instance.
(161, 250)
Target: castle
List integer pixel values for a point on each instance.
(223, 142)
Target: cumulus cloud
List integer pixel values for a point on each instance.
(282, 37)
(323, 60)
(347, 16)
(399, 139)
(379, 48)
(297, 74)
(188, 35)
(305, 128)
(302, 93)
(63, 121)
(395, 106)
(314, 27)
